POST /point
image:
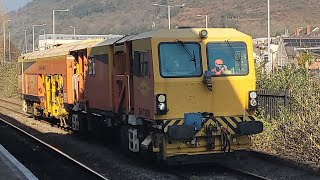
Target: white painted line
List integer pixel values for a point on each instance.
(17, 164)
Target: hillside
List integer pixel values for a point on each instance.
(125, 16)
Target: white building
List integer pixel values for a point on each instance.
(48, 41)
(261, 52)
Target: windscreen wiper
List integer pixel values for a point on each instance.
(192, 56)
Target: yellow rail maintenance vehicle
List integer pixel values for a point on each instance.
(177, 93)
(204, 83)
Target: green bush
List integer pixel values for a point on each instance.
(296, 132)
(9, 81)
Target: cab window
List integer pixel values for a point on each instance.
(180, 59)
(91, 68)
(141, 64)
(227, 58)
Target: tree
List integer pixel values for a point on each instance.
(305, 59)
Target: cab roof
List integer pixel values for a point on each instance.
(191, 33)
(62, 50)
(177, 34)
(185, 33)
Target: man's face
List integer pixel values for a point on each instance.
(219, 65)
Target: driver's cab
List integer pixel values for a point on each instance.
(183, 58)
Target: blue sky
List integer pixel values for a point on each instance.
(14, 4)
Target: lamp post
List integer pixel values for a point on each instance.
(37, 25)
(53, 21)
(199, 15)
(9, 36)
(269, 41)
(25, 40)
(44, 38)
(169, 8)
(74, 30)
(4, 39)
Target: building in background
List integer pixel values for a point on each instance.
(47, 41)
(287, 49)
(260, 52)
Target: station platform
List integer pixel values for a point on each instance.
(11, 168)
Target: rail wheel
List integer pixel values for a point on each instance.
(24, 106)
(35, 114)
(124, 138)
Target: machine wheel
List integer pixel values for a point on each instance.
(24, 106)
(83, 123)
(35, 114)
(124, 138)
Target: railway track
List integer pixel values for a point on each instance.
(13, 110)
(9, 108)
(55, 150)
(181, 174)
(246, 174)
(200, 170)
(286, 162)
(18, 111)
(10, 102)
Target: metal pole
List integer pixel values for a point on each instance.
(22, 76)
(25, 40)
(9, 34)
(33, 38)
(74, 30)
(169, 13)
(33, 35)
(53, 24)
(269, 41)
(206, 18)
(169, 16)
(44, 38)
(206, 21)
(281, 52)
(4, 41)
(53, 28)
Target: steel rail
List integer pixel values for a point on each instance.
(10, 102)
(236, 171)
(54, 149)
(15, 111)
(246, 173)
(285, 161)
(29, 115)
